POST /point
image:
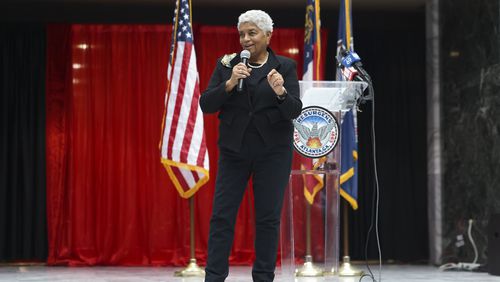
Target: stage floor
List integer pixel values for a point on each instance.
(390, 273)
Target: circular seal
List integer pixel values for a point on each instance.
(316, 132)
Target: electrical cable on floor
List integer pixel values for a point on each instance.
(469, 232)
(464, 265)
(375, 198)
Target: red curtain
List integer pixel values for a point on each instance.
(109, 199)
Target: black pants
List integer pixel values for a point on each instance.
(270, 168)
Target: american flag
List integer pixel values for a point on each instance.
(312, 52)
(183, 146)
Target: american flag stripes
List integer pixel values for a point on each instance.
(183, 146)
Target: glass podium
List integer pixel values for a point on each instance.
(309, 232)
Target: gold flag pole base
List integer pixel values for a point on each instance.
(346, 269)
(192, 270)
(309, 269)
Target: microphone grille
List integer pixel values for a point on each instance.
(245, 54)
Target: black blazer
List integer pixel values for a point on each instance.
(271, 117)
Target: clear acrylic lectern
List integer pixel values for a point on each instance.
(309, 242)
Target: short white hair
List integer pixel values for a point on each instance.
(258, 17)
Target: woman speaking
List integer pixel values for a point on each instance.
(256, 97)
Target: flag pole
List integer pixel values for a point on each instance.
(192, 269)
(308, 269)
(346, 269)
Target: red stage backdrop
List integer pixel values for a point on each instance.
(110, 201)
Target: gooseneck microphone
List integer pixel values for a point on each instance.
(244, 55)
(351, 68)
(349, 60)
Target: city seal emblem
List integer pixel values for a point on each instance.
(316, 132)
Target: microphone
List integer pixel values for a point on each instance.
(244, 55)
(351, 68)
(349, 73)
(350, 59)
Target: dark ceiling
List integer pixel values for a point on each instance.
(152, 11)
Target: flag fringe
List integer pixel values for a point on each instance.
(186, 194)
(349, 199)
(310, 197)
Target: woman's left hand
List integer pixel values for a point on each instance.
(276, 82)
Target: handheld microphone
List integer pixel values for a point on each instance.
(244, 55)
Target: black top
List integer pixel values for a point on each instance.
(251, 83)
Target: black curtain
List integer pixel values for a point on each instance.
(392, 48)
(23, 232)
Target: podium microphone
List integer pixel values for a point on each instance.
(350, 59)
(349, 73)
(351, 68)
(244, 55)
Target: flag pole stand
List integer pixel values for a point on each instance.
(346, 269)
(192, 269)
(308, 269)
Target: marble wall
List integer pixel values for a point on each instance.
(470, 123)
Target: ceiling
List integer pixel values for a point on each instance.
(154, 10)
(365, 4)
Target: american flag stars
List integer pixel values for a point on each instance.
(184, 25)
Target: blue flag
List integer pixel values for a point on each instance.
(349, 161)
(349, 142)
